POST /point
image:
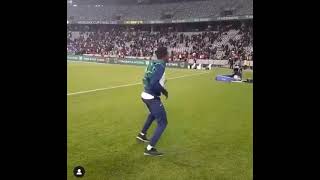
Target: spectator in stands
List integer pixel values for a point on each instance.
(123, 42)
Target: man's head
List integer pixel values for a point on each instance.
(236, 68)
(162, 53)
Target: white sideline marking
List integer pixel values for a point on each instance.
(126, 85)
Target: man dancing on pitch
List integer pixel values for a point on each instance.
(153, 81)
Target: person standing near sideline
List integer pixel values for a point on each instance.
(153, 82)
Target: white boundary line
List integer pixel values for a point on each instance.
(126, 85)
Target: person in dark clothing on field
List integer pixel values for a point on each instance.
(230, 63)
(237, 73)
(154, 83)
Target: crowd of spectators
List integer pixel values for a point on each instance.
(182, 46)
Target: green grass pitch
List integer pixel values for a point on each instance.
(209, 132)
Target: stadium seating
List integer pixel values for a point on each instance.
(142, 43)
(181, 10)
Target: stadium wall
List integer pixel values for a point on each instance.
(140, 62)
(114, 60)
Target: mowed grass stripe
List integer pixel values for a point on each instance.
(96, 76)
(169, 77)
(132, 84)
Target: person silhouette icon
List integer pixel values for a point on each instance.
(79, 173)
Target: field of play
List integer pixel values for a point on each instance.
(209, 132)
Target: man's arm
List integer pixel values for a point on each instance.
(154, 81)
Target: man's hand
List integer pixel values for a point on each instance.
(165, 93)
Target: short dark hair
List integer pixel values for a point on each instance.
(161, 52)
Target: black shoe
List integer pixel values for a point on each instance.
(152, 152)
(142, 138)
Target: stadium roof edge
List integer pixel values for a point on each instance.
(193, 20)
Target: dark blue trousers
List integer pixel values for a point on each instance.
(157, 112)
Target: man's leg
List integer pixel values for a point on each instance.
(150, 117)
(148, 123)
(142, 136)
(159, 113)
(162, 124)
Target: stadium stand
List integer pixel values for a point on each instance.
(178, 10)
(181, 45)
